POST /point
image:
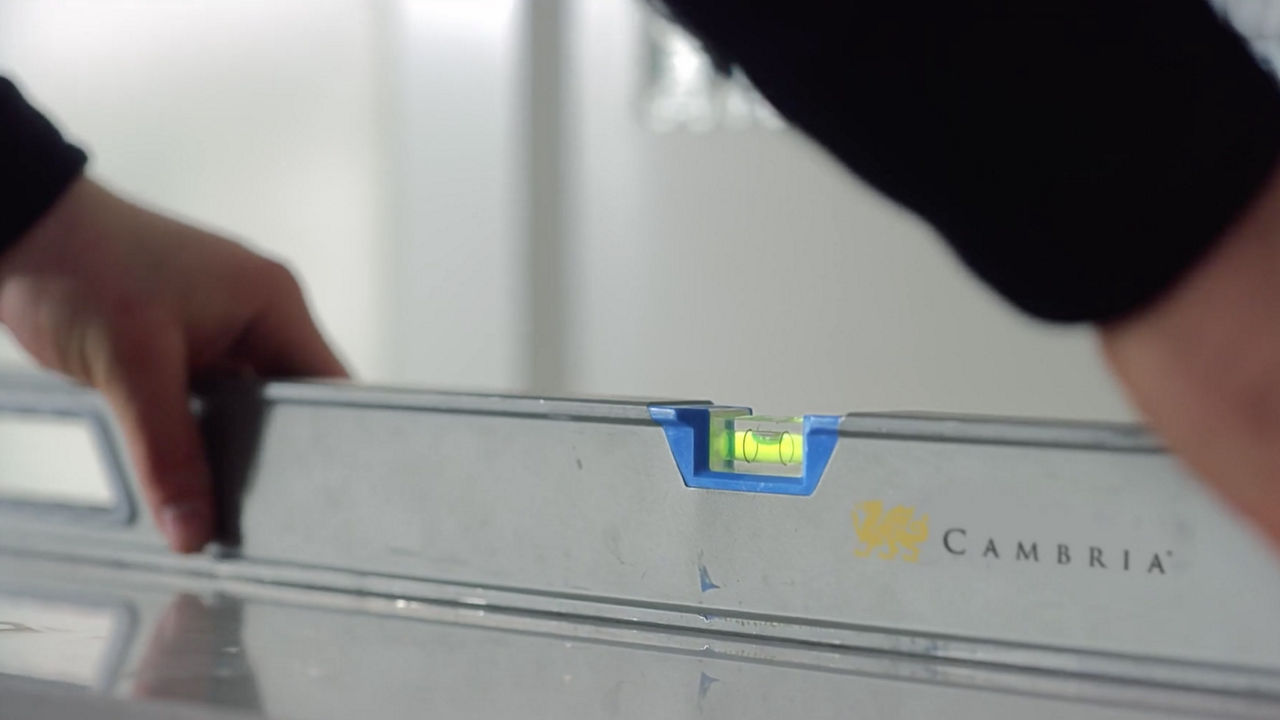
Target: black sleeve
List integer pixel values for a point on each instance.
(1079, 155)
(36, 164)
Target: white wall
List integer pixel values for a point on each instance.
(459, 263)
(382, 148)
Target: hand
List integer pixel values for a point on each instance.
(1203, 364)
(137, 305)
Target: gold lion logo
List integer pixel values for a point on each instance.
(895, 531)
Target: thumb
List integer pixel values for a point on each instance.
(143, 375)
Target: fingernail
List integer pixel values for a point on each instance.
(186, 525)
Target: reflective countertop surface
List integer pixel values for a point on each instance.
(89, 640)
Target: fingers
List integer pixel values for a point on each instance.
(144, 373)
(135, 304)
(283, 340)
(144, 377)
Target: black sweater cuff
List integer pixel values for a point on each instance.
(36, 164)
(1079, 155)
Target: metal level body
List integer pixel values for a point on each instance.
(936, 557)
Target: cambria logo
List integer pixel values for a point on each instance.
(956, 542)
(898, 533)
(895, 532)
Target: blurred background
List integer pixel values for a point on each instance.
(551, 196)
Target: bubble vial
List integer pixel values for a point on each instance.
(756, 444)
